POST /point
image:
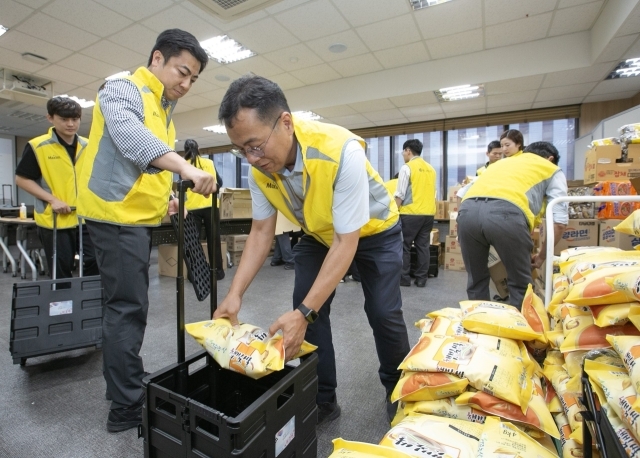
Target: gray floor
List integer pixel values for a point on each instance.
(55, 406)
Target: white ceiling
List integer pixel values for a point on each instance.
(528, 53)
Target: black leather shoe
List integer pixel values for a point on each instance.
(277, 263)
(107, 396)
(126, 417)
(405, 282)
(421, 283)
(327, 411)
(289, 266)
(219, 274)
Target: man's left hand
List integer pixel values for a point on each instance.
(293, 326)
(537, 260)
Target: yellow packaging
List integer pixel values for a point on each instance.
(628, 441)
(553, 358)
(631, 225)
(424, 324)
(428, 435)
(591, 337)
(629, 350)
(634, 315)
(570, 448)
(245, 348)
(573, 365)
(611, 315)
(560, 292)
(555, 338)
(496, 319)
(427, 386)
(570, 401)
(534, 312)
(447, 312)
(575, 270)
(550, 396)
(500, 440)
(351, 449)
(448, 408)
(400, 415)
(607, 286)
(504, 377)
(572, 254)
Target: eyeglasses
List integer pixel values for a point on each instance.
(255, 151)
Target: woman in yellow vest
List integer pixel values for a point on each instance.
(512, 142)
(200, 206)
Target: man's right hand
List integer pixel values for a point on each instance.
(229, 308)
(203, 182)
(59, 206)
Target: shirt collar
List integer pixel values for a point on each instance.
(297, 168)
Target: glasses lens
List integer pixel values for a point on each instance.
(237, 153)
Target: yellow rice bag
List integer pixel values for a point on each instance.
(631, 225)
(501, 440)
(504, 377)
(574, 316)
(447, 312)
(572, 254)
(448, 327)
(560, 292)
(615, 285)
(587, 264)
(555, 339)
(634, 315)
(550, 396)
(628, 441)
(611, 315)
(537, 415)
(573, 365)
(496, 319)
(534, 312)
(350, 449)
(628, 348)
(427, 386)
(432, 436)
(604, 141)
(448, 408)
(244, 348)
(570, 448)
(424, 324)
(554, 358)
(620, 395)
(571, 404)
(400, 415)
(591, 336)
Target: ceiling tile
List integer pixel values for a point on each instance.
(202, 86)
(519, 31)
(423, 98)
(215, 96)
(114, 54)
(632, 52)
(558, 103)
(616, 48)
(196, 101)
(340, 110)
(87, 15)
(84, 93)
(210, 74)
(33, 3)
(617, 85)
(455, 45)
(513, 85)
(286, 81)
(423, 110)
(390, 122)
(21, 43)
(179, 17)
(14, 61)
(88, 65)
(565, 92)
(312, 20)
(256, 64)
(464, 105)
(372, 105)
(570, 3)
(403, 55)
(575, 19)
(383, 115)
(596, 72)
(363, 12)
(504, 11)
(612, 96)
(135, 10)
(504, 109)
(60, 87)
(285, 5)
(350, 120)
(62, 74)
(300, 53)
(393, 32)
(358, 65)
(426, 118)
(40, 26)
(13, 13)
(465, 113)
(264, 36)
(449, 18)
(632, 24)
(354, 44)
(517, 98)
(317, 74)
(136, 38)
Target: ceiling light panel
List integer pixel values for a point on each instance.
(625, 69)
(419, 4)
(82, 102)
(3, 29)
(464, 92)
(225, 50)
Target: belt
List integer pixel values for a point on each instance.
(484, 199)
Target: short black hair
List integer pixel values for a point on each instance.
(545, 150)
(64, 107)
(172, 42)
(493, 145)
(254, 92)
(414, 145)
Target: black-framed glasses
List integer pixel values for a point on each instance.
(255, 151)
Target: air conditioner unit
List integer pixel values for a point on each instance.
(24, 88)
(29, 87)
(229, 10)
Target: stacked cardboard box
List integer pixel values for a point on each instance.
(579, 232)
(235, 245)
(453, 258)
(610, 238)
(601, 163)
(168, 258)
(235, 203)
(442, 209)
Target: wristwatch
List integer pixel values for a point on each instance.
(309, 315)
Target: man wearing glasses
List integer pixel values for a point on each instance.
(318, 176)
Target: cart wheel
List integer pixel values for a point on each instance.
(23, 361)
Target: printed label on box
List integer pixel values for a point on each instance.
(60, 308)
(285, 435)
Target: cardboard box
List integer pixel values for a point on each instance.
(235, 257)
(453, 190)
(168, 259)
(453, 208)
(579, 232)
(453, 225)
(610, 238)
(442, 211)
(498, 273)
(600, 164)
(451, 245)
(453, 261)
(535, 236)
(236, 242)
(434, 237)
(235, 203)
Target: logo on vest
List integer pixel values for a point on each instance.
(53, 157)
(155, 113)
(272, 186)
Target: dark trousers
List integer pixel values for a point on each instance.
(379, 261)
(416, 230)
(494, 222)
(89, 263)
(203, 216)
(65, 250)
(123, 255)
(282, 251)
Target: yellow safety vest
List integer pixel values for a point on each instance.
(58, 178)
(197, 201)
(113, 189)
(322, 146)
(512, 180)
(481, 170)
(514, 155)
(420, 197)
(391, 186)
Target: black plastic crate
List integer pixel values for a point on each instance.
(46, 321)
(214, 412)
(434, 253)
